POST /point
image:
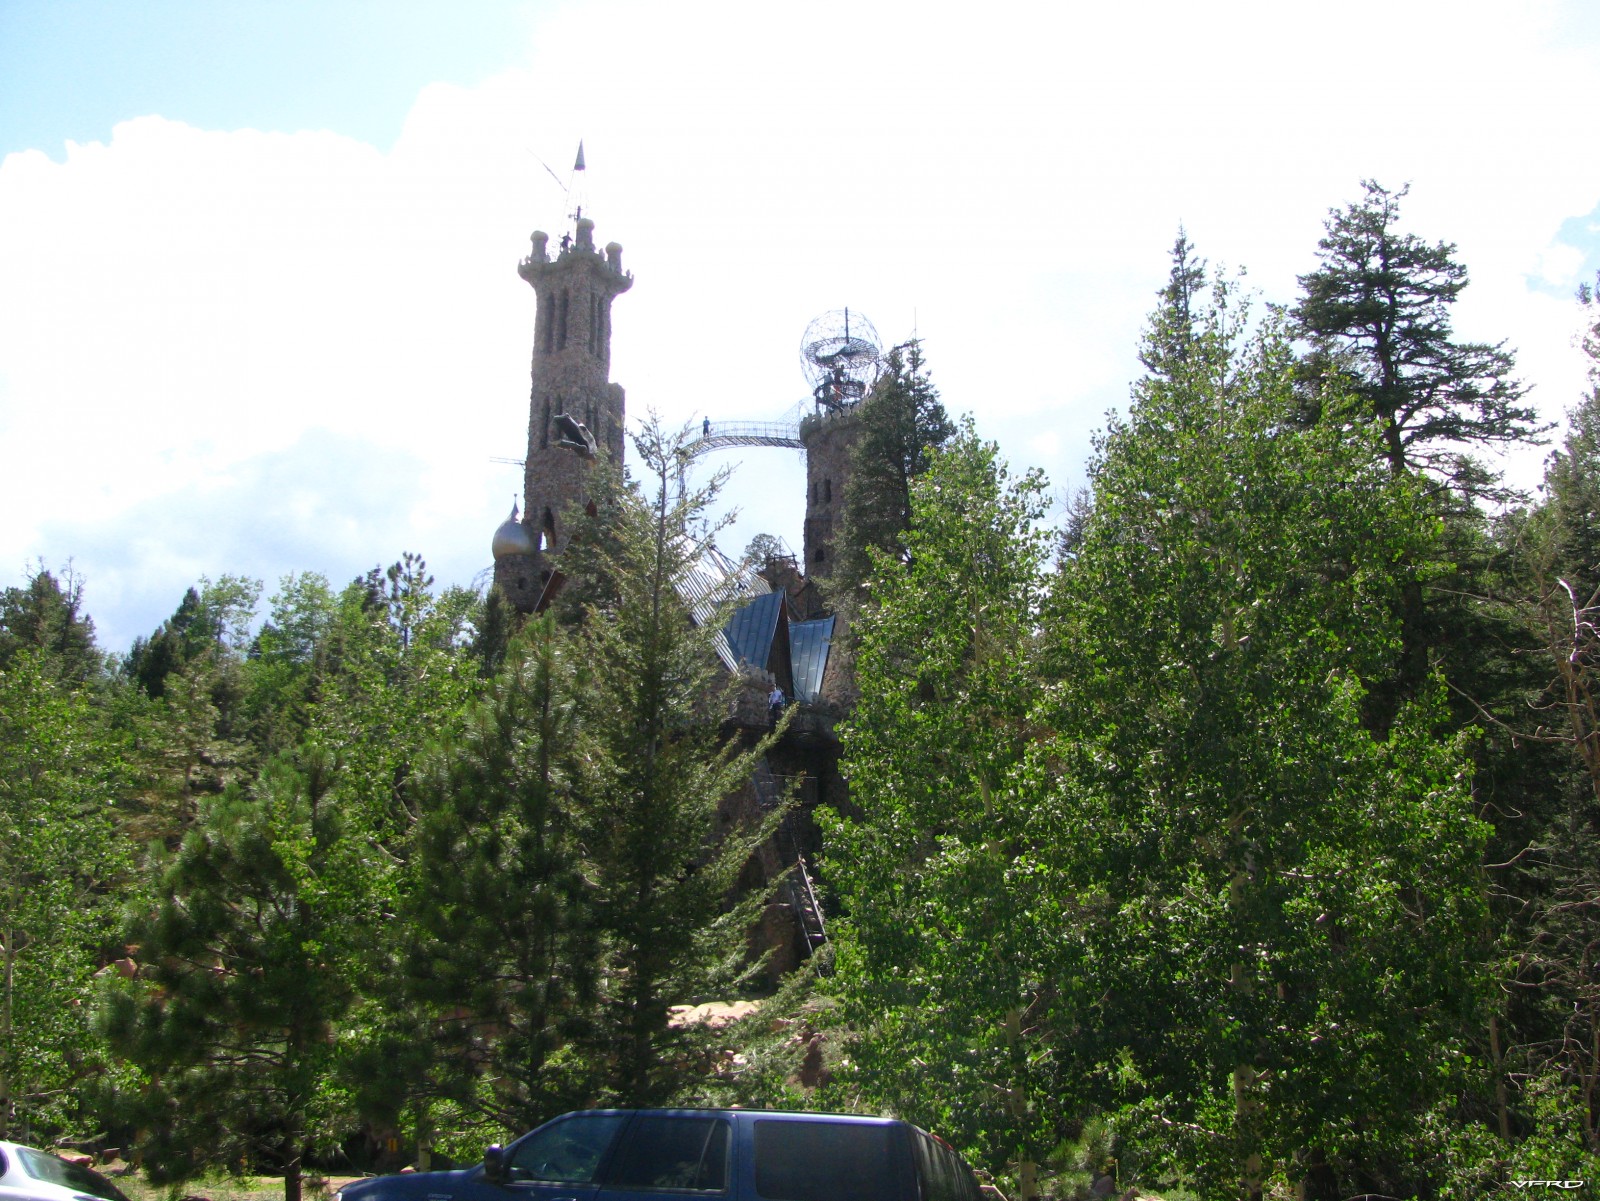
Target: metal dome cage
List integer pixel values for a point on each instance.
(839, 355)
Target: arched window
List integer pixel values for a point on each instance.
(827, 492)
(561, 321)
(547, 318)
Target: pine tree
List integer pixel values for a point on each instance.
(1554, 923)
(211, 619)
(1377, 314)
(663, 865)
(244, 968)
(501, 952)
(1172, 330)
(286, 662)
(496, 626)
(47, 616)
(902, 422)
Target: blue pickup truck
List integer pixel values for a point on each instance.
(681, 1154)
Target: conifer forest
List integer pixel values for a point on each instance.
(1236, 835)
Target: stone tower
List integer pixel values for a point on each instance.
(575, 412)
(828, 436)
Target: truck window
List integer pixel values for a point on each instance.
(929, 1177)
(659, 1152)
(963, 1184)
(942, 1173)
(568, 1150)
(824, 1161)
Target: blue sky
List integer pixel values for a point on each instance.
(259, 310)
(72, 69)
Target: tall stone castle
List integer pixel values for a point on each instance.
(574, 412)
(780, 633)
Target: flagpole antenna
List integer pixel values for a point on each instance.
(577, 186)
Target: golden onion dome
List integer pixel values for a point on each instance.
(514, 538)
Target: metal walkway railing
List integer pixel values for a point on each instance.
(799, 889)
(721, 434)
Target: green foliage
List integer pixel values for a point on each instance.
(660, 862)
(1172, 330)
(945, 909)
(1550, 873)
(566, 876)
(216, 616)
(1126, 845)
(396, 669)
(1278, 913)
(1377, 312)
(287, 661)
(902, 423)
(47, 617)
(243, 947)
(59, 861)
(1560, 1144)
(181, 747)
(760, 1061)
(503, 948)
(500, 621)
(762, 548)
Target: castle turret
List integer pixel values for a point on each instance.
(575, 412)
(829, 436)
(839, 355)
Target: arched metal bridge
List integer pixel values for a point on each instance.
(717, 435)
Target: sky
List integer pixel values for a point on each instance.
(259, 309)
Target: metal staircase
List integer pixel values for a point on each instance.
(798, 888)
(803, 900)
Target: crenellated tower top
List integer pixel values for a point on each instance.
(575, 412)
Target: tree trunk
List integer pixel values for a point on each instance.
(1498, 1058)
(1027, 1167)
(1027, 1179)
(9, 952)
(1245, 1103)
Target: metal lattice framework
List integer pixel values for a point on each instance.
(839, 354)
(718, 435)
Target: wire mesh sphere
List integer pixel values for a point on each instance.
(839, 355)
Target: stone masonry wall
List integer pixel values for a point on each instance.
(570, 373)
(521, 578)
(828, 437)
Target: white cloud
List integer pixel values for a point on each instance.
(255, 352)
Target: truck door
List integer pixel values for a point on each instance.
(671, 1157)
(561, 1160)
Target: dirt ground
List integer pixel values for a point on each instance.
(239, 1188)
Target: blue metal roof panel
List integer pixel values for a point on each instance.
(809, 643)
(751, 628)
(710, 581)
